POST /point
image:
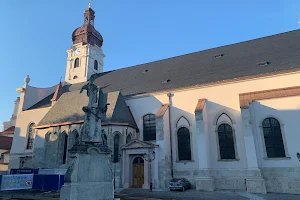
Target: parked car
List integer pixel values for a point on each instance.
(179, 183)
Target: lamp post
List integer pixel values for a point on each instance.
(114, 161)
(149, 159)
(298, 156)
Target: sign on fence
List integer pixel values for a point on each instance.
(17, 182)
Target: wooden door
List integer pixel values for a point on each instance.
(138, 172)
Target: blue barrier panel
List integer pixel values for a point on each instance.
(38, 182)
(24, 171)
(61, 181)
(51, 182)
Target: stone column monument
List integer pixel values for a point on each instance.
(89, 175)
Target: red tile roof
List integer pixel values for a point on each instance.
(5, 142)
(10, 130)
(247, 98)
(162, 110)
(200, 105)
(58, 92)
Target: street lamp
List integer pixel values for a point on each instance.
(148, 159)
(298, 156)
(113, 160)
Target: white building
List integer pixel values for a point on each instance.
(224, 118)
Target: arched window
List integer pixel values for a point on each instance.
(116, 147)
(75, 77)
(149, 127)
(30, 137)
(184, 144)
(96, 65)
(226, 142)
(65, 148)
(128, 138)
(273, 138)
(76, 63)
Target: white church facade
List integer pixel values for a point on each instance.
(223, 118)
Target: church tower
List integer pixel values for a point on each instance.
(85, 57)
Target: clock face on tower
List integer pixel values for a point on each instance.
(86, 20)
(77, 51)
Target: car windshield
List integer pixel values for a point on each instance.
(175, 179)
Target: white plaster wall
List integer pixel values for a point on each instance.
(20, 136)
(287, 112)
(5, 125)
(34, 95)
(142, 106)
(223, 97)
(86, 63)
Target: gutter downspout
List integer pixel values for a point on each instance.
(170, 95)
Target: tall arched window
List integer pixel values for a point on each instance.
(116, 147)
(273, 138)
(96, 65)
(184, 144)
(30, 137)
(76, 63)
(149, 127)
(65, 148)
(226, 142)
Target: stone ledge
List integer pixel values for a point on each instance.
(282, 158)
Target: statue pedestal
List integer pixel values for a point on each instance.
(89, 175)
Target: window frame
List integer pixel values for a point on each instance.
(234, 142)
(95, 61)
(116, 156)
(28, 137)
(177, 146)
(265, 155)
(78, 63)
(143, 122)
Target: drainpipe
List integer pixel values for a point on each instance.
(170, 95)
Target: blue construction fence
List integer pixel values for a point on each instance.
(36, 181)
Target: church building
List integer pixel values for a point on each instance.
(223, 118)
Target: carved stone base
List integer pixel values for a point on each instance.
(87, 191)
(89, 175)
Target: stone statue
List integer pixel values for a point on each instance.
(93, 112)
(89, 175)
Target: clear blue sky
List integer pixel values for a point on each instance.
(35, 34)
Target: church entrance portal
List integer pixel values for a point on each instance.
(138, 172)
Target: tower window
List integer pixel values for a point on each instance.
(96, 65)
(75, 77)
(76, 63)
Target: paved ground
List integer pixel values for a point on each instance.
(197, 195)
(139, 194)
